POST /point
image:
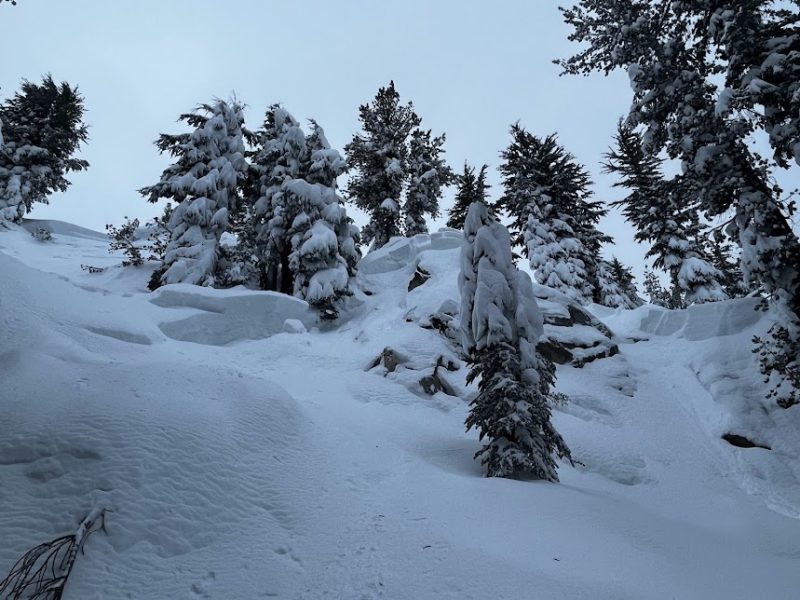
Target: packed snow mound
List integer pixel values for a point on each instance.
(190, 469)
(439, 292)
(702, 321)
(84, 312)
(400, 251)
(229, 315)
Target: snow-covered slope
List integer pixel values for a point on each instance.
(239, 460)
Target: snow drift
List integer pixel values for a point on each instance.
(291, 465)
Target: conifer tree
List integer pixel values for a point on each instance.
(205, 181)
(42, 129)
(546, 194)
(705, 77)
(379, 158)
(279, 158)
(725, 260)
(427, 175)
(615, 285)
(664, 213)
(323, 238)
(624, 278)
(299, 231)
(501, 324)
(656, 292)
(471, 188)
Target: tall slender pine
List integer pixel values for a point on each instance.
(501, 324)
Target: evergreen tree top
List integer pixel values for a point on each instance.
(471, 188)
(386, 122)
(45, 117)
(541, 166)
(209, 157)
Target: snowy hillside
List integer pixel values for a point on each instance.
(244, 451)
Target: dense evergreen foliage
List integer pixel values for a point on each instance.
(470, 188)
(398, 169)
(42, 129)
(546, 194)
(205, 181)
(665, 214)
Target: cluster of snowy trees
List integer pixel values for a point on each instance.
(553, 220)
(707, 77)
(41, 128)
(274, 189)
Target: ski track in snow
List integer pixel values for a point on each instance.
(261, 464)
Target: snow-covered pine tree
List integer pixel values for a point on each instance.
(325, 168)
(674, 53)
(623, 276)
(724, 259)
(42, 129)
(588, 214)
(471, 188)
(323, 238)
(501, 324)
(298, 229)
(379, 157)
(656, 292)
(279, 158)
(427, 175)
(665, 214)
(615, 285)
(546, 195)
(205, 180)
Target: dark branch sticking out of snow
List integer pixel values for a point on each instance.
(734, 439)
(42, 572)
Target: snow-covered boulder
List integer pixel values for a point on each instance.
(571, 334)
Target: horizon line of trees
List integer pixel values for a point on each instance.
(397, 177)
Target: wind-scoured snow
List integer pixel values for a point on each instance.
(286, 460)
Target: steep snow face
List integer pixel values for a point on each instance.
(312, 464)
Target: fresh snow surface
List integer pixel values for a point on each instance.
(277, 460)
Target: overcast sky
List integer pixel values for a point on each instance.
(470, 67)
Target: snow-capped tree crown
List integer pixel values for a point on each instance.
(206, 180)
(42, 130)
